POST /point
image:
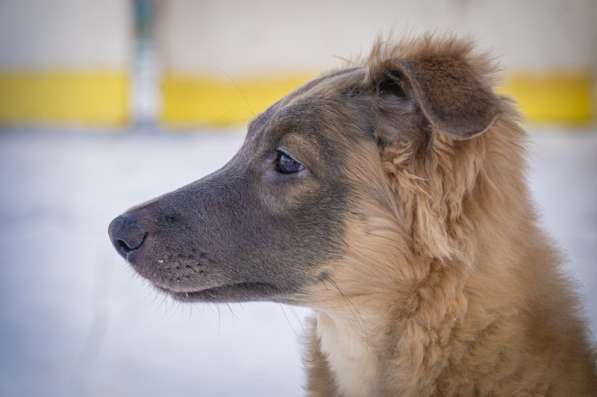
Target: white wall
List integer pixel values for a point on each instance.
(40, 34)
(230, 37)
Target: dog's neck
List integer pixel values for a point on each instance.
(350, 348)
(380, 348)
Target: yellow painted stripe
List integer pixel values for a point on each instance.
(102, 97)
(562, 97)
(64, 97)
(557, 96)
(209, 100)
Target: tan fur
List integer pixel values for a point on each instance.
(448, 287)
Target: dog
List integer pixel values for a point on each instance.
(389, 196)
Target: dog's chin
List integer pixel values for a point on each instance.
(237, 292)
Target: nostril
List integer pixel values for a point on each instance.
(121, 245)
(124, 246)
(126, 234)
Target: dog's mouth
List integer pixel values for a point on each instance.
(236, 292)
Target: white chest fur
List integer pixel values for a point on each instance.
(350, 355)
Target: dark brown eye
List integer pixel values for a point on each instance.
(286, 164)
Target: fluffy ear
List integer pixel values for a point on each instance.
(450, 92)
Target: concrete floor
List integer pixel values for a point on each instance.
(75, 321)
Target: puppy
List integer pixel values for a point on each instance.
(390, 197)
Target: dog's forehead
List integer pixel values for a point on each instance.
(281, 119)
(305, 110)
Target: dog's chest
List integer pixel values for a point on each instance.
(351, 359)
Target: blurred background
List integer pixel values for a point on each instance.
(104, 104)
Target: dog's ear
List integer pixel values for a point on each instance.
(450, 93)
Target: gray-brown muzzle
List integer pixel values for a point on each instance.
(218, 239)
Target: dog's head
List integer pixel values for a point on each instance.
(328, 186)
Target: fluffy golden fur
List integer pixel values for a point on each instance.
(448, 286)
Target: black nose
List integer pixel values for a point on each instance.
(126, 234)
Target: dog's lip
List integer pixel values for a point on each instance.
(227, 292)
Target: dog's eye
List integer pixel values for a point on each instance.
(286, 164)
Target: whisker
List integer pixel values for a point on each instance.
(231, 312)
(354, 310)
(288, 321)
